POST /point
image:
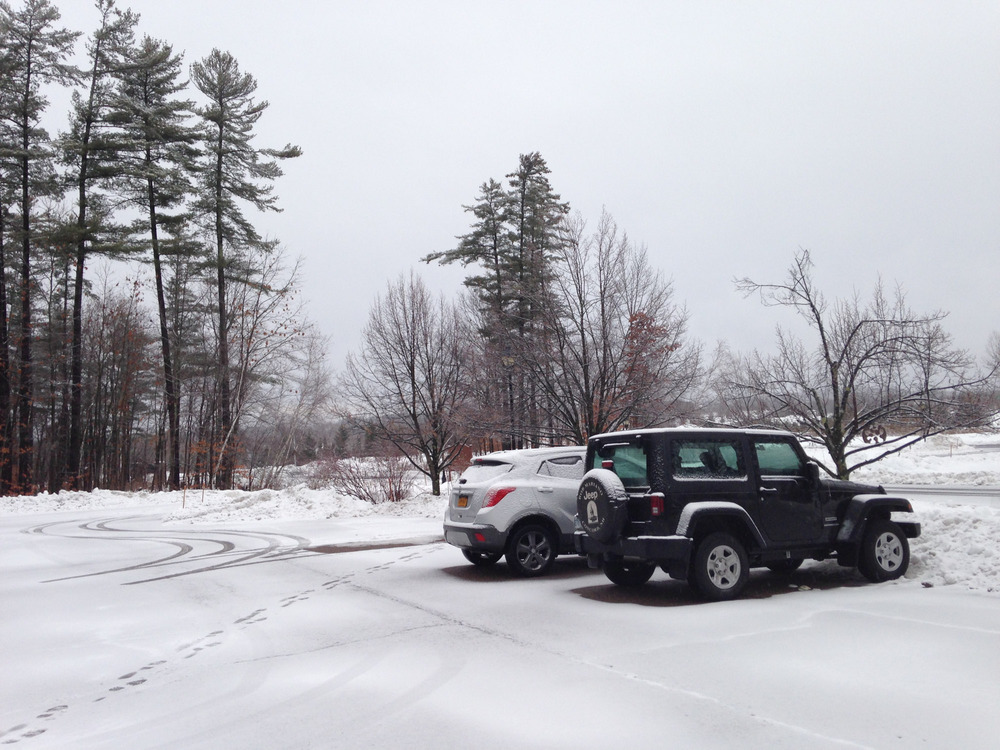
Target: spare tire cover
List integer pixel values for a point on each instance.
(602, 505)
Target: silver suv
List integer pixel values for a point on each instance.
(516, 504)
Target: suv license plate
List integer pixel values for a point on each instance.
(463, 501)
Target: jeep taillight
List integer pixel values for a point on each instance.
(656, 504)
(495, 495)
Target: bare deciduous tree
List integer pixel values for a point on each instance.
(615, 349)
(407, 381)
(878, 378)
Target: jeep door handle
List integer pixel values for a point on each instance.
(768, 491)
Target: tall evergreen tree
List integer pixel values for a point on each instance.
(513, 242)
(155, 119)
(34, 54)
(93, 146)
(233, 172)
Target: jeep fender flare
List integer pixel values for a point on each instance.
(863, 508)
(695, 514)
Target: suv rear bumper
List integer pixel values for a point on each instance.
(671, 552)
(475, 536)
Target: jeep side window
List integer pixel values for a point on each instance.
(778, 458)
(707, 459)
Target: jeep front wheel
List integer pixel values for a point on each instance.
(720, 569)
(885, 553)
(628, 572)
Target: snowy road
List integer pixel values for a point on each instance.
(121, 631)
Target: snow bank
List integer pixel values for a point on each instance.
(295, 503)
(232, 506)
(958, 545)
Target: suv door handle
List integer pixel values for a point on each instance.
(768, 491)
(545, 489)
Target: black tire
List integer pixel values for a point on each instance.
(531, 550)
(885, 552)
(602, 505)
(784, 566)
(481, 559)
(720, 569)
(629, 573)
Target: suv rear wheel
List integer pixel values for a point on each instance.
(720, 569)
(531, 550)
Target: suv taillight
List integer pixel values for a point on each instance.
(656, 504)
(495, 495)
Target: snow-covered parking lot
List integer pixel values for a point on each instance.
(289, 620)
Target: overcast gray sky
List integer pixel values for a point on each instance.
(722, 135)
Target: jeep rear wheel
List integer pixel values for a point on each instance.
(720, 569)
(628, 572)
(885, 553)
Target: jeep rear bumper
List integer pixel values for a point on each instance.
(672, 553)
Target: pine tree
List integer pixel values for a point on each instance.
(93, 146)
(232, 172)
(159, 159)
(513, 243)
(34, 54)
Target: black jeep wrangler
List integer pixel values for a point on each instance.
(706, 505)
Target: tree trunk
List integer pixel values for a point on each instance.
(23, 478)
(6, 436)
(169, 383)
(224, 474)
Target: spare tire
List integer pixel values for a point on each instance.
(602, 505)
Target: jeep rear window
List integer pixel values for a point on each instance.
(628, 462)
(481, 471)
(707, 459)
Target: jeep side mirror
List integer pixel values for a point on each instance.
(812, 470)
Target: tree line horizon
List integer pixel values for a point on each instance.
(563, 331)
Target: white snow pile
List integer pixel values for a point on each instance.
(958, 544)
(230, 506)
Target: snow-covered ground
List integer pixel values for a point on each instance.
(297, 618)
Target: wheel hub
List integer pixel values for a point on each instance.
(723, 567)
(888, 552)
